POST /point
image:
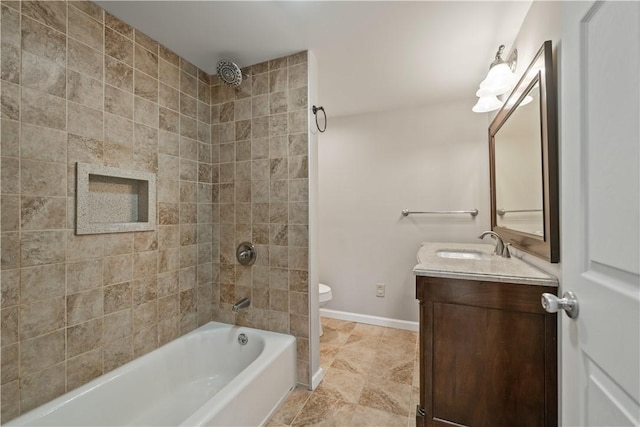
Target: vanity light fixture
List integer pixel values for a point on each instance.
(500, 79)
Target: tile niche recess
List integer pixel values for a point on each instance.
(111, 200)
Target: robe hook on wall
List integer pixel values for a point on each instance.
(315, 110)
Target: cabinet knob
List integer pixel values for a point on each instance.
(568, 303)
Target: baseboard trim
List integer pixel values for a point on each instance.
(317, 377)
(370, 320)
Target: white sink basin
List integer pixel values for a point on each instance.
(462, 254)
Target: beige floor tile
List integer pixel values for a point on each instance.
(291, 407)
(385, 395)
(327, 355)
(339, 325)
(368, 330)
(341, 385)
(371, 379)
(354, 360)
(334, 338)
(392, 333)
(362, 341)
(323, 411)
(369, 417)
(394, 368)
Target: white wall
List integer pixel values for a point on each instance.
(371, 167)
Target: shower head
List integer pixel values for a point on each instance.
(229, 73)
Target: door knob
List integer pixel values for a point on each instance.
(568, 303)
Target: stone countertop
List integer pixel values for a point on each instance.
(494, 269)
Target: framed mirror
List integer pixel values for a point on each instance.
(523, 146)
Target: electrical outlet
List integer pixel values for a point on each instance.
(380, 290)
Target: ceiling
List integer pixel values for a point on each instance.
(372, 56)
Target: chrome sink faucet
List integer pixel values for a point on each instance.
(243, 303)
(501, 249)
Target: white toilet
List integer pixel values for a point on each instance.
(325, 297)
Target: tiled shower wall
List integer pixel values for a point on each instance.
(78, 85)
(260, 195)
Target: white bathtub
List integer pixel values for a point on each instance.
(205, 378)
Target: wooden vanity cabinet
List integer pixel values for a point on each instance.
(488, 354)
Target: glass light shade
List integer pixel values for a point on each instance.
(499, 80)
(486, 104)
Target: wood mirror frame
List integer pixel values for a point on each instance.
(541, 72)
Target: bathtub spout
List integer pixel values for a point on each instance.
(243, 303)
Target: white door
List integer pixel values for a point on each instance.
(600, 193)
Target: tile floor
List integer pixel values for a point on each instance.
(370, 379)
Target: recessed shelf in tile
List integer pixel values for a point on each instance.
(111, 200)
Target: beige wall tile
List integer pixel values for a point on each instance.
(117, 46)
(42, 109)
(10, 138)
(145, 316)
(43, 178)
(85, 90)
(145, 86)
(117, 353)
(10, 100)
(41, 317)
(118, 243)
(145, 61)
(10, 25)
(84, 247)
(118, 269)
(145, 290)
(10, 211)
(82, 27)
(145, 340)
(90, 8)
(41, 387)
(42, 74)
(10, 363)
(84, 59)
(146, 42)
(84, 337)
(43, 143)
(43, 213)
(117, 326)
(84, 368)
(85, 121)
(145, 264)
(84, 149)
(10, 320)
(118, 102)
(84, 306)
(42, 282)
(51, 13)
(145, 241)
(10, 403)
(116, 24)
(169, 74)
(10, 288)
(117, 297)
(10, 66)
(43, 41)
(42, 247)
(42, 352)
(169, 56)
(84, 275)
(145, 112)
(118, 74)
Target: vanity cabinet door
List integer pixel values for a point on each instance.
(488, 354)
